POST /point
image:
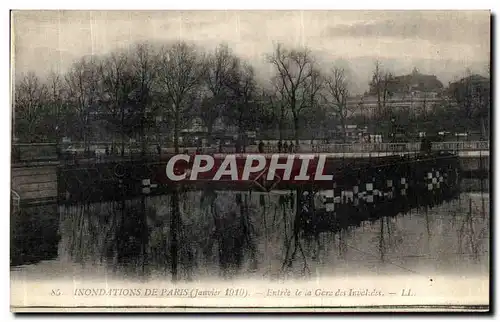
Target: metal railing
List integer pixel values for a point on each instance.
(462, 146)
(40, 152)
(401, 147)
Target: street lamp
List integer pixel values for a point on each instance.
(393, 129)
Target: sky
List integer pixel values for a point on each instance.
(443, 43)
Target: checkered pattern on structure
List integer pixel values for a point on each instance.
(434, 180)
(389, 191)
(369, 192)
(147, 186)
(355, 195)
(403, 186)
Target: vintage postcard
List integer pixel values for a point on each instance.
(250, 161)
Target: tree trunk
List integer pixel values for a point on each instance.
(210, 126)
(122, 150)
(483, 129)
(143, 127)
(281, 123)
(379, 103)
(296, 128)
(240, 135)
(176, 127)
(158, 139)
(344, 129)
(144, 233)
(174, 240)
(85, 134)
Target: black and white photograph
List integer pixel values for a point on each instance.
(250, 160)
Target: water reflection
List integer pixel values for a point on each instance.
(225, 235)
(33, 235)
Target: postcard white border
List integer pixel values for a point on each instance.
(192, 4)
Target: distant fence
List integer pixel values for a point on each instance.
(356, 147)
(25, 152)
(51, 151)
(462, 146)
(399, 147)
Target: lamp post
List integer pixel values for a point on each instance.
(393, 130)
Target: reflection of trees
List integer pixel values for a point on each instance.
(427, 222)
(313, 245)
(382, 240)
(133, 235)
(90, 227)
(175, 224)
(343, 235)
(470, 237)
(483, 199)
(34, 235)
(175, 237)
(295, 239)
(231, 233)
(108, 232)
(388, 237)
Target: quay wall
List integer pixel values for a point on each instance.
(35, 182)
(40, 183)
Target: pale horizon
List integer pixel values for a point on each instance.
(442, 43)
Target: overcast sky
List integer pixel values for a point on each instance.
(441, 43)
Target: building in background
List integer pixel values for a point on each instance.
(416, 93)
(353, 133)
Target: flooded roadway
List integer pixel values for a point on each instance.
(233, 235)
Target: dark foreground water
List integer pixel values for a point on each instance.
(231, 235)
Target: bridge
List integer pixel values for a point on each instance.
(35, 177)
(26, 152)
(460, 146)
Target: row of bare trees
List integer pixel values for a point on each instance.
(130, 90)
(161, 88)
(301, 90)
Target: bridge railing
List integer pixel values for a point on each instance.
(462, 146)
(399, 147)
(39, 152)
(366, 147)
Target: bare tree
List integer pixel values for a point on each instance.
(472, 94)
(220, 65)
(56, 103)
(336, 94)
(117, 83)
(274, 99)
(82, 85)
(380, 86)
(243, 86)
(312, 100)
(182, 70)
(295, 71)
(29, 106)
(317, 122)
(145, 66)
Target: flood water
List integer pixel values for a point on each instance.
(232, 235)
